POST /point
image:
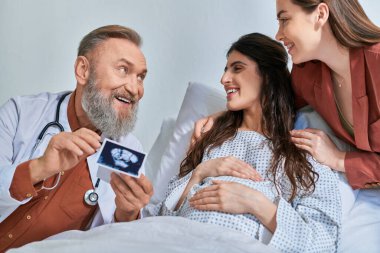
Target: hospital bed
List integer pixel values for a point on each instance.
(361, 209)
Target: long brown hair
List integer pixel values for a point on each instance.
(348, 21)
(277, 116)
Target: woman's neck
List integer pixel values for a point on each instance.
(252, 120)
(335, 56)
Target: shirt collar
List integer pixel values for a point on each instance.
(71, 113)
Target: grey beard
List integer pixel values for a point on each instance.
(103, 116)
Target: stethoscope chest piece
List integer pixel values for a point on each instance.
(91, 197)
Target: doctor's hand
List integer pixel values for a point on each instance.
(320, 146)
(225, 166)
(132, 194)
(64, 151)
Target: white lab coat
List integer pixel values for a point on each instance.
(21, 120)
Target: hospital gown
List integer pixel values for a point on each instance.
(310, 223)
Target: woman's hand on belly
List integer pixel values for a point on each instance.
(223, 166)
(226, 166)
(235, 198)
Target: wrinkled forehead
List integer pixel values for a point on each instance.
(115, 49)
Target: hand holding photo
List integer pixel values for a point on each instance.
(116, 157)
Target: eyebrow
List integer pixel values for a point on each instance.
(233, 64)
(279, 13)
(144, 71)
(126, 61)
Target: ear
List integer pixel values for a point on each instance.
(82, 70)
(323, 13)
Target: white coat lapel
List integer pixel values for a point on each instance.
(51, 131)
(106, 195)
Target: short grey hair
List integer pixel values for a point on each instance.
(101, 34)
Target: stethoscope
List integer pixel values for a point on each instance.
(91, 197)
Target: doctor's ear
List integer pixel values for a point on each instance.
(82, 70)
(323, 13)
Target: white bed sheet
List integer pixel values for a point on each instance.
(154, 234)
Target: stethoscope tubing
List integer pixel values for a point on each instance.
(90, 197)
(54, 123)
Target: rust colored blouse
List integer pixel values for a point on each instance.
(312, 84)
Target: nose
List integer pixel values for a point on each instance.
(133, 87)
(279, 34)
(226, 78)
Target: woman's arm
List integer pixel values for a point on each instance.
(362, 169)
(223, 166)
(193, 180)
(310, 224)
(231, 197)
(320, 146)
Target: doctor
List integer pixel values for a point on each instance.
(50, 142)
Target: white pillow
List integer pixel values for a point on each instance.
(200, 100)
(153, 158)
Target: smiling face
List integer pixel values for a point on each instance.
(298, 30)
(114, 87)
(242, 83)
(120, 68)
